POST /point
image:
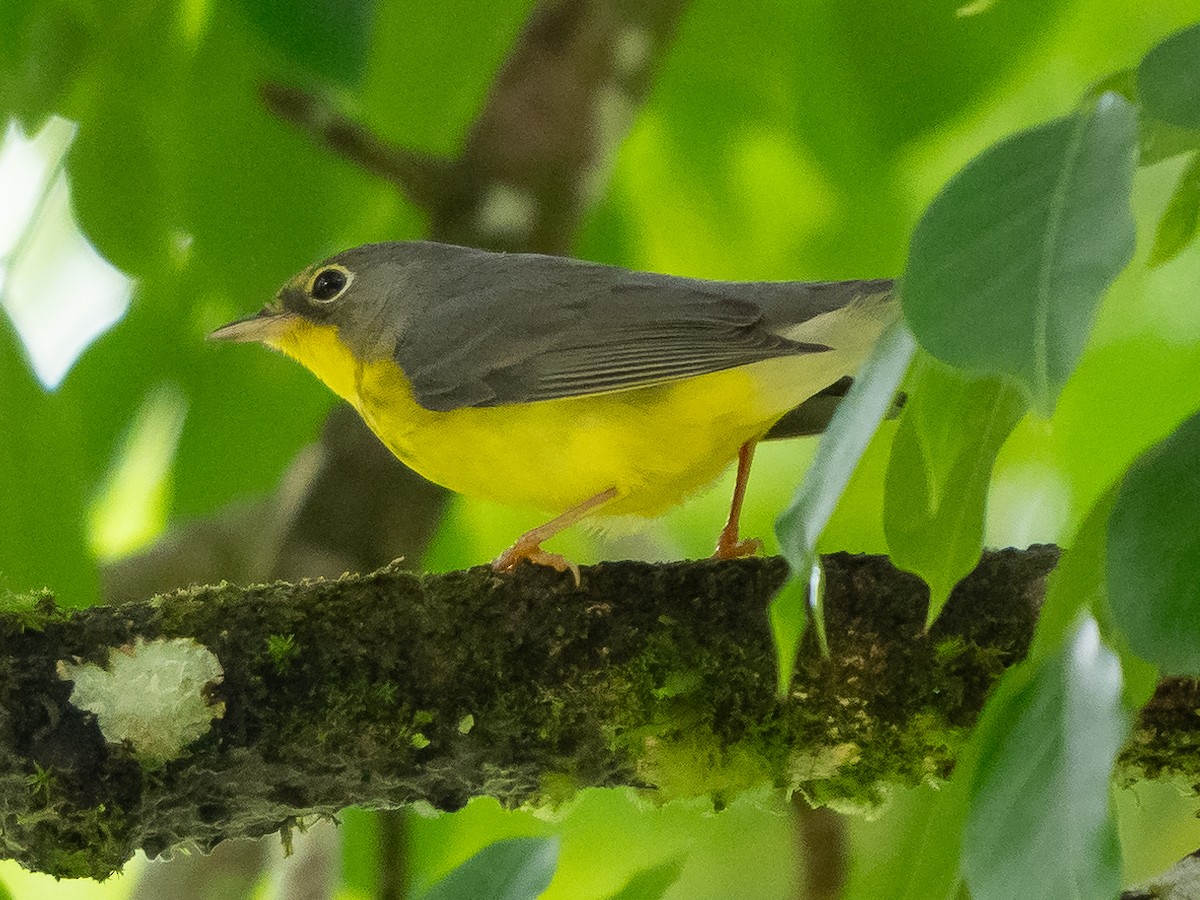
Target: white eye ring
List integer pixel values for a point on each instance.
(328, 283)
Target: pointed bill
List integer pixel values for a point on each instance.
(267, 324)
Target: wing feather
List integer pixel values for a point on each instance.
(521, 328)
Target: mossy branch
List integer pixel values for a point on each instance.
(387, 689)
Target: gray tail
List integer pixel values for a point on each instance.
(813, 415)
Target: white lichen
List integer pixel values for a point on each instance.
(152, 694)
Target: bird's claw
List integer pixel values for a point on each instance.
(528, 552)
(729, 547)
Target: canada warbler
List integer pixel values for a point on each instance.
(576, 388)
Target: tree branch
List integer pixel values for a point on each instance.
(540, 149)
(415, 174)
(387, 689)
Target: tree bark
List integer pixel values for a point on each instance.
(388, 689)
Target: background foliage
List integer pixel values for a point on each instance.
(781, 140)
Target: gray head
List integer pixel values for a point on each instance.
(369, 293)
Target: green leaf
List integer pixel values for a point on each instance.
(1157, 140)
(952, 427)
(42, 495)
(1154, 553)
(1177, 228)
(513, 869)
(1169, 79)
(1008, 263)
(329, 38)
(1077, 585)
(1040, 823)
(360, 834)
(651, 883)
(43, 47)
(841, 447)
(923, 863)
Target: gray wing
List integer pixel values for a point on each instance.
(520, 328)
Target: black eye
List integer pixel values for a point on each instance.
(328, 284)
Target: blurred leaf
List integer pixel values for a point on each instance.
(799, 526)
(1154, 553)
(426, 83)
(1157, 140)
(925, 866)
(129, 510)
(42, 47)
(1168, 79)
(1177, 228)
(513, 869)
(360, 835)
(822, 79)
(952, 427)
(1009, 261)
(1076, 586)
(1040, 823)
(134, 179)
(965, 49)
(42, 496)
(649, 884)
(329, 38)
(222, 202)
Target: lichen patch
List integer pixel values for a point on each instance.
(151, 694)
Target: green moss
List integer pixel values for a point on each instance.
(484, 686)
(360, 705)
(69, 863)
(282, 649)
(678, 684)
(40, 782)
(696, 763)
(70, 843)
(31, 611)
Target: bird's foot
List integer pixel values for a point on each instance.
(530, 551)
(729, 547)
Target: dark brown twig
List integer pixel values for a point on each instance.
(415, 174)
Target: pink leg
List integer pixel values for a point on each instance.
(728, 545)
(528, 547)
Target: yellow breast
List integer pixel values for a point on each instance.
(655, 445)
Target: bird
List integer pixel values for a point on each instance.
(578, 388)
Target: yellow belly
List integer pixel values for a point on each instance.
(655, 445)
